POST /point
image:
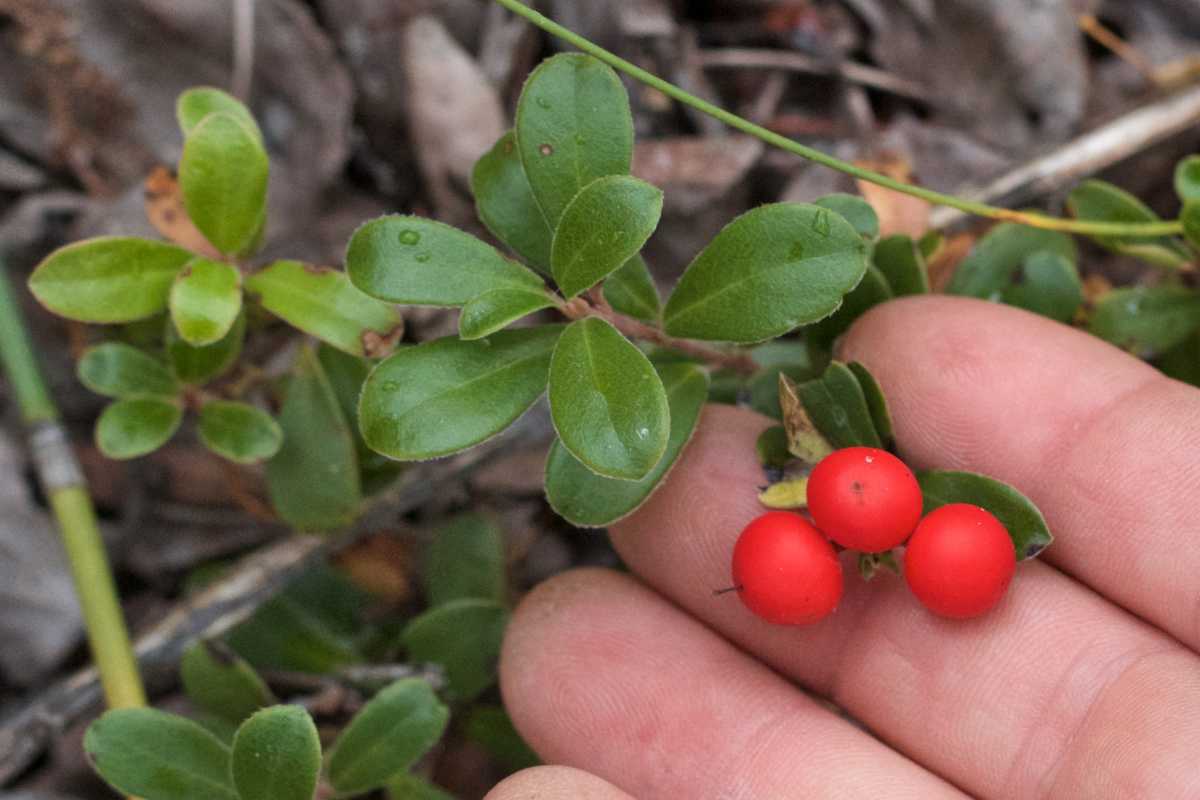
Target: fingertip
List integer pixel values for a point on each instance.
(555, 783)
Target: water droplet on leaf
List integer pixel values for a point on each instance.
(409, 237)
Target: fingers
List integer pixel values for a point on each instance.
(1001, 705)
(603, 674)
(1106, 446)
(555, 783)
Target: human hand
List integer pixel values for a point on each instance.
(1083, 683)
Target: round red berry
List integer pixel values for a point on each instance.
(959, 561)
(864, 499)
(785, 571)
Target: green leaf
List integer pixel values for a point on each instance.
(995, 259)
(573, 125)
(772, 269)
(158, 756)
(877, 403)
(491, 727)
(805, 442)
(463, 637)
(323, 303)
(136, 426)
(422, 262)
(466, 560)
(206, 299)
(589, 500)
(603, 227)
(506, 204)
(855, 210)
(313, 480)
(223, 175)
(199, 364)
(791, 357)
(838, 408)
(902, 263)
(198, 102)
(771, 446)
(497, 309)
(414, 787)
(217, 681)
(872, 290)
(114, 369)
(1147, 320)
(387, 736)
(108, 279)
(446, 395)
(1182, 362)
(239, 432)
(1016, 512)
(1189, 217)
(1049, 286)
(277, 755)
(1187, 178)
(607, 402)
(631, 291)
(1102, 202)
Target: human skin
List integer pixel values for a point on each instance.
(1084, 682)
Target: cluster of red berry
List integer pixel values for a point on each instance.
(958, 561)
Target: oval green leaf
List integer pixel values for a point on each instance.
(108, 279)
(194, 104)
(989, 269)
(200, 364)
(872, 290)
(602, 228)
(387, 736)
(277, 755)
(206, 299)
(506, 204)
(573, 125)
(1103, 202)
(223, 175)
(1147, 320)
(495, 310)
(631, 291)
(901, 262)
(856, 210)
(1015, 511)
(772, 269)
(1187, 178)
(422, 262)
(239, 432)
(323, 303)
(444, 396)
(136, 426)
(158, 756)
(462, 637)
(217, 681)
(115, 369)
(607, 402)
(1049, 286)
(586, 499)
(466, 560)
(838, 408)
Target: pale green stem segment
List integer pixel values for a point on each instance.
(1036, 220)
(72, 506)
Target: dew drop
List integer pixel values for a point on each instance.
(422, 258)
(409, 237)
(797, 251)
(545, 149)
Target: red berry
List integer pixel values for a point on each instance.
(864, 499)
(785, 571)
(959, 561)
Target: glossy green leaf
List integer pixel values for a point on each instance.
(387, 736)
(1103, 202)
(1189, 217)
(1187, 178)
(856, 210)
(447, 395)
(115, 369)
(491, 727)
(603, 227)
(877, 403)
(872, 290)
(223, 177)
(772, 269)
(838, 408)
(414, 787)
(136, 426)
(219, 682)
(463, 637)
(198, 102)
(497, 309)
(1016, 512)
(506, 204)
(323, 303)
(200, 364)
(1049, 286)
(1182, 362)
(466, 560)
(631, 291)
(206, 299)
(1147, 320)
(239, 431)
(607, 402)
(989, 269)
(108, 279)
(422, 262)
(313, 480)
(277, 755)
(158, 756)
(586, 499)
(901, 262)
(573, 125)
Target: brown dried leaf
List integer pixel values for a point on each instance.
(805, 442)
(947, 258)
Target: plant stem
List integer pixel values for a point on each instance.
(62, 481)
(1033, 219)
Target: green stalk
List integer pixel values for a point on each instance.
(63, 483)
(1033, 219)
